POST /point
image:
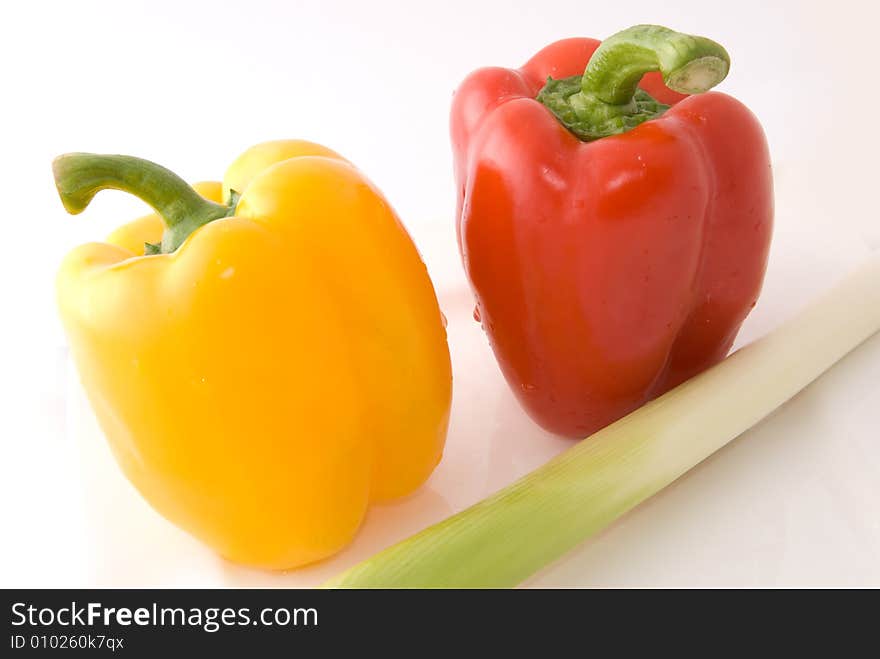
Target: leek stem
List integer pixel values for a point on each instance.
(509, 536)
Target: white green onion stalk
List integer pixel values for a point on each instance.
(509, 536)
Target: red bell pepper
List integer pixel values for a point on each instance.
(615, 232)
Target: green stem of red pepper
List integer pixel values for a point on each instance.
(80, 176)
(606, 100)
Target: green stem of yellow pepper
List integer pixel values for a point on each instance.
(80, 176)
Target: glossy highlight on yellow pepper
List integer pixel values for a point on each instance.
(282, 367)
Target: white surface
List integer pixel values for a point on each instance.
(795, 501)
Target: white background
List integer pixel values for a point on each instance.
(794, 502)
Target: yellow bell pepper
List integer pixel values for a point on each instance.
(268, 364)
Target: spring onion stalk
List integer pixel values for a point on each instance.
(509, 536)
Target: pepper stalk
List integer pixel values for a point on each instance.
(606, 99)
(80, 176)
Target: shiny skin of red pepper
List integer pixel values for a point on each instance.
(606, 272)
